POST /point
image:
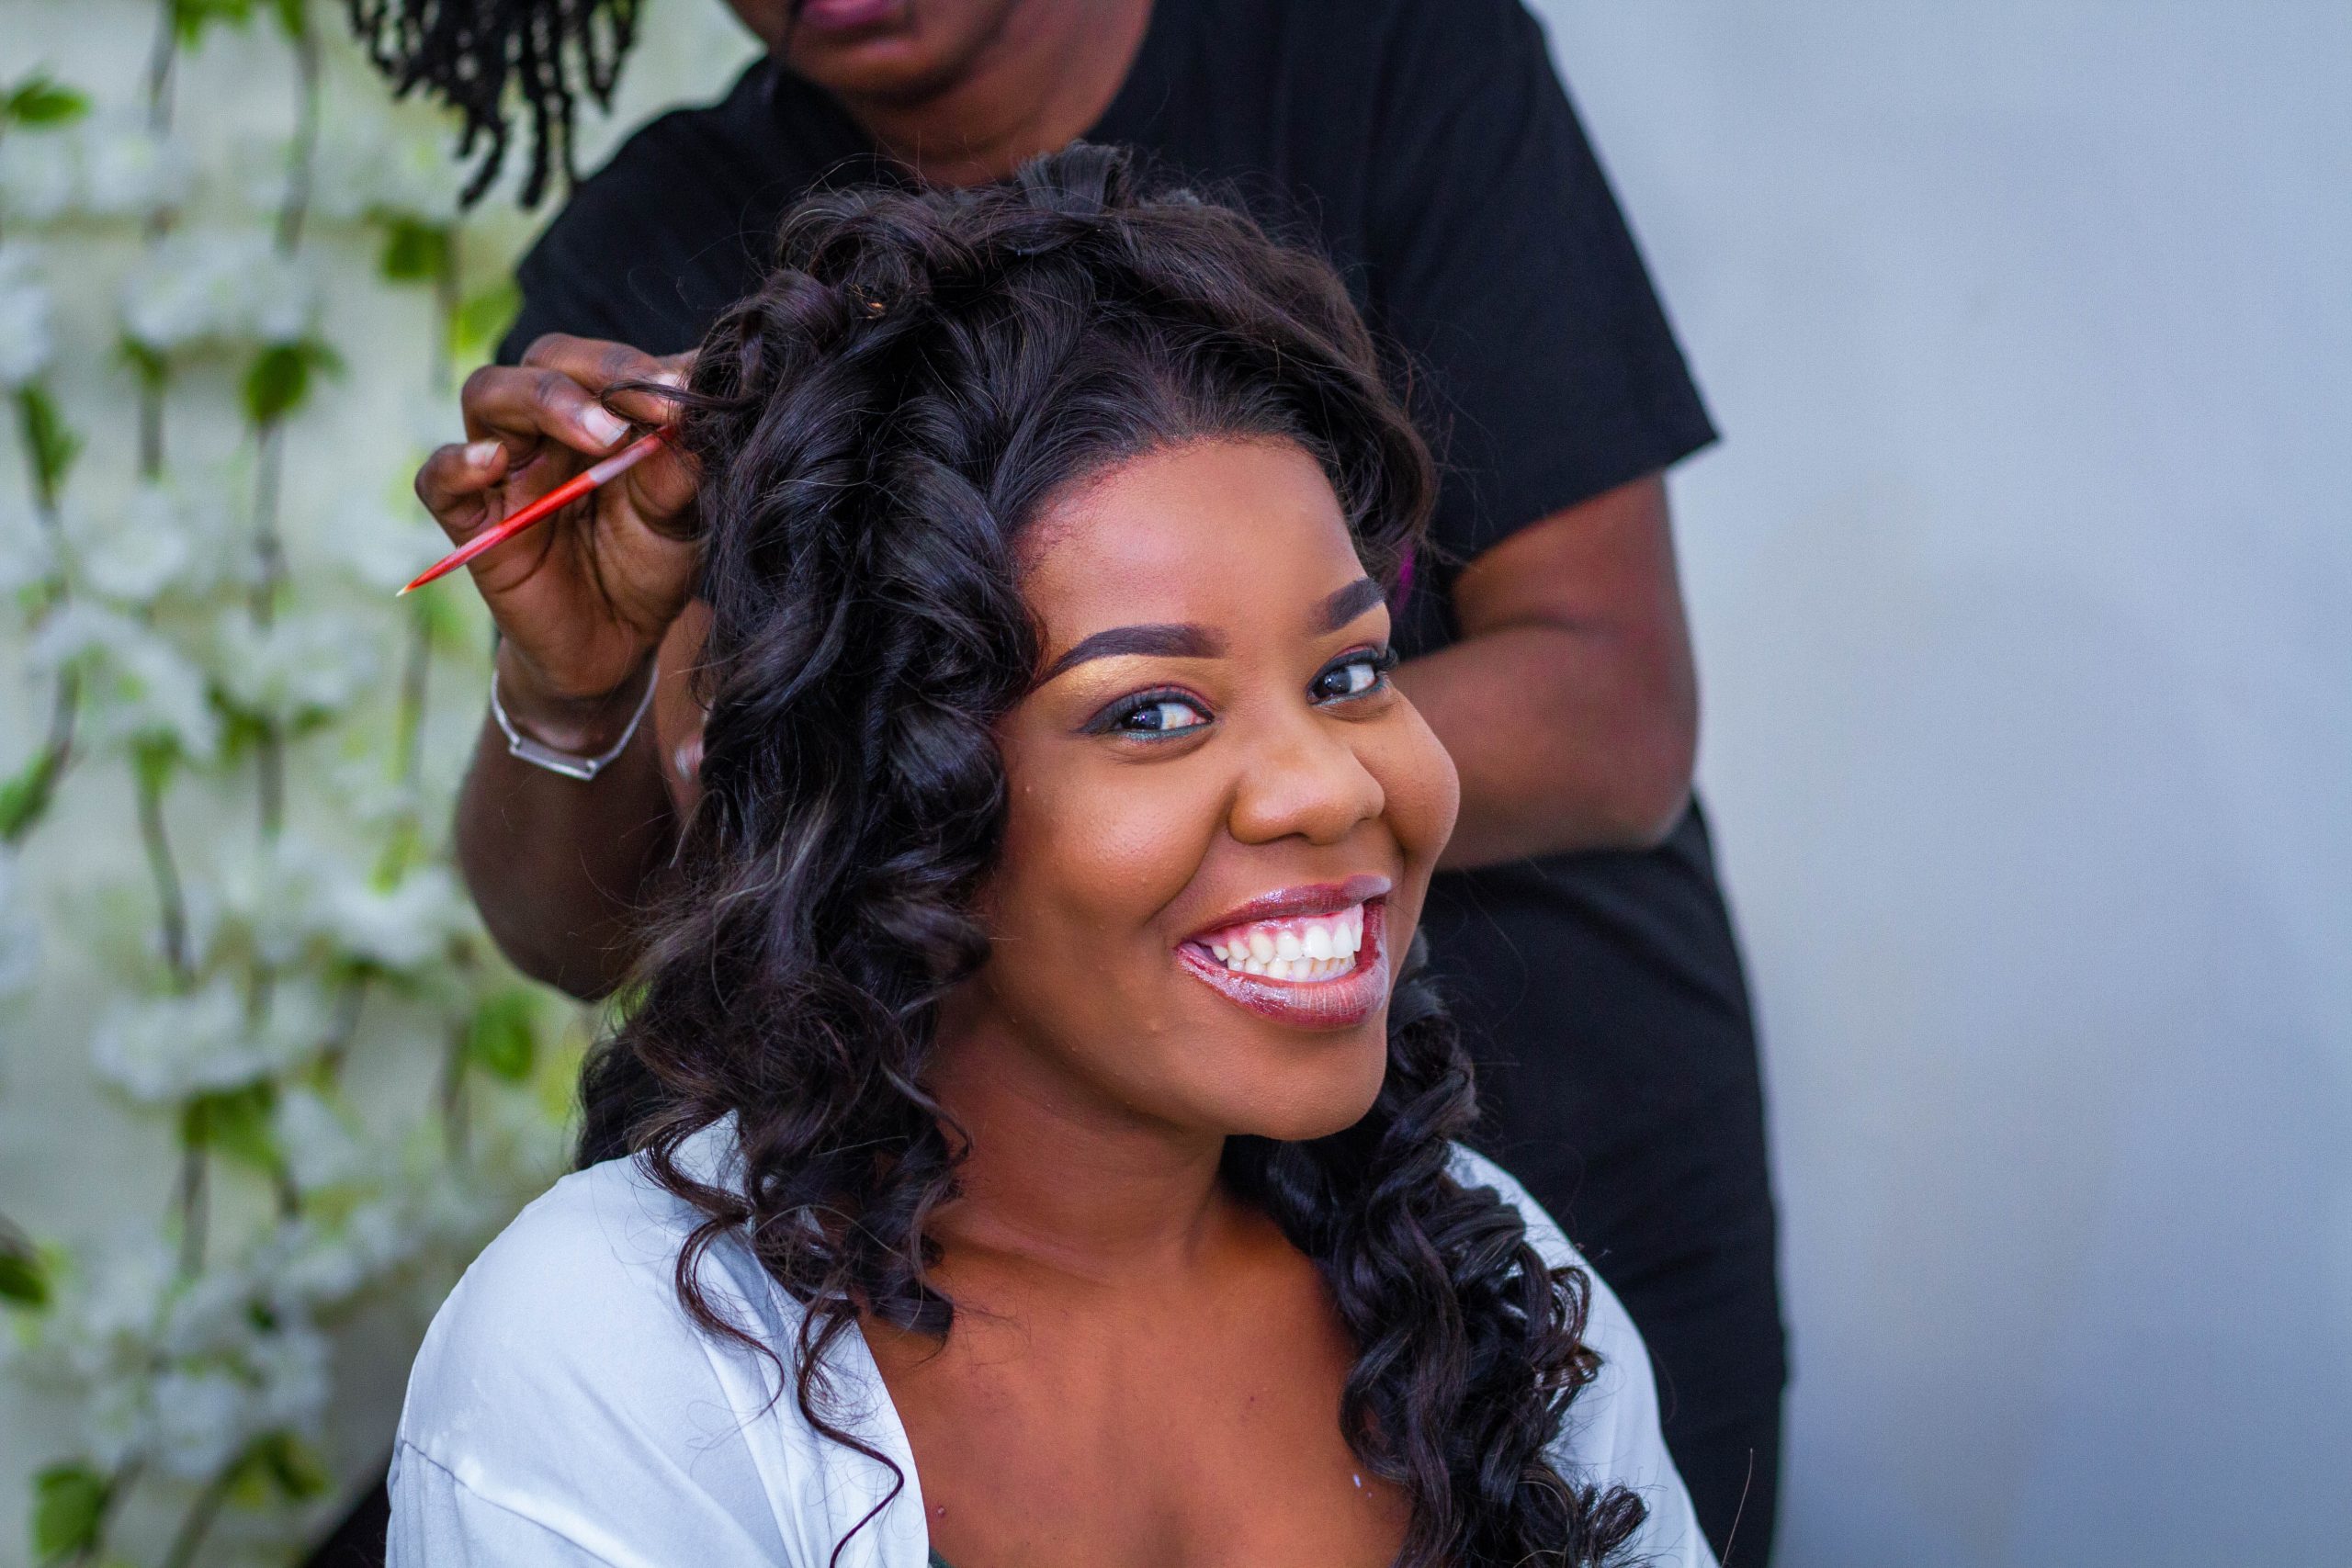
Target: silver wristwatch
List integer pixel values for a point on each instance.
(571, 766)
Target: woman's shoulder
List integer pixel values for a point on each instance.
(564, 1357)
(1611, 1433)
(579, 1284)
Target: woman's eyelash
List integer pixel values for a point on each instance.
(1168, 708)
(1171, 711)
(1379, 661)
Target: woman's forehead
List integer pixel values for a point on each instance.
(1210, 532)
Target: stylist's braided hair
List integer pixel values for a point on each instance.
(876, 425)
(482, 57)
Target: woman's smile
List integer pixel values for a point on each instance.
(1315, 957)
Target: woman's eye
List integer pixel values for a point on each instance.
(1159, 716)
(1354, 675)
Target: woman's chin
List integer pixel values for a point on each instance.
(1296, 1107)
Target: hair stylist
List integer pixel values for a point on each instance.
(1428, 146)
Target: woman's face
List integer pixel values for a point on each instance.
(1223, 816)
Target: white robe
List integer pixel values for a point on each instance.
(565, 1412)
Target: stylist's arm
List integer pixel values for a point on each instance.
(1570, 702)
(582, 602)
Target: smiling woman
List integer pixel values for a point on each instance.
(1030, 1147)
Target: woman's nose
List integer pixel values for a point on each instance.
(1303, 779)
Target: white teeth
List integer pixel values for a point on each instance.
(1321, 948)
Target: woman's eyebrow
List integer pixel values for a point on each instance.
(1178, 640)
(1349, 603)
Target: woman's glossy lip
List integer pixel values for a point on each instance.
(1289, 903)
(1337, 1003)
(846, 15)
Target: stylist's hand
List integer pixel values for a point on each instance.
(583, 599)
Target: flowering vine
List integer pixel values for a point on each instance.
(193, 622)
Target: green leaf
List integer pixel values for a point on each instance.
(192, 17)
(49, 441)
(41, 100)
(152, 758)
(236, 1122)
(24, 799)
(500, 1039)
(69, 1503)
(23, 1281)
(154, 370)
(415, 251)
(482, 321)
(240, 732)
(293, 19)
(279, 377)
(295, 1466)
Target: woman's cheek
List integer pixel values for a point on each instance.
(1113, 843)
(1423, 788)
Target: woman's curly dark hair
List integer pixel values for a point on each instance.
(876, 426)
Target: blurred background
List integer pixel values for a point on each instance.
(2023, 584)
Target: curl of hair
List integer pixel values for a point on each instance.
(479, 56)
(876, 425)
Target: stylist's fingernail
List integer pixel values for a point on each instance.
(602, 428)
(481, 454)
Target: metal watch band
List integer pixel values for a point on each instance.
(571, 766)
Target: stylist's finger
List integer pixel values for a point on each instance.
(458, 483)
(615, 372)
(525, 408)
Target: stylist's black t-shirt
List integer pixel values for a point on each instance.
(1428, 148)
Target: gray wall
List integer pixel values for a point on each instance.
(2023, 586)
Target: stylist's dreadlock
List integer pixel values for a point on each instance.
(474, 54)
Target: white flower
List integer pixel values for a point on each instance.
(161, 1049)
(296, 668)
(20, 929)
(366, 167)
(210, 1314)
(219, 287)
(27, 339)
(316, 1266)
(295, 894)
(39, 176)
(269, 894)
(26, 557)
(137, 685)
(372, 800)
(201, 1420)
(317, 1145)
(292, 1361)
(256, 1381)
(129, 171)
(382, 548)
(403, 926)
(162, 539)
(99, 1341)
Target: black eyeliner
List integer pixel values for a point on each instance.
(1134, 702)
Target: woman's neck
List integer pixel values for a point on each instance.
(1058, 1176)
(1041, 81)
